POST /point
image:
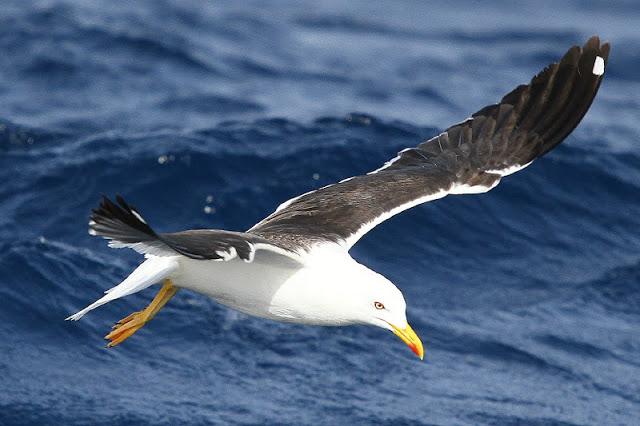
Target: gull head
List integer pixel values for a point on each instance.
(374, 300)
(337, 290)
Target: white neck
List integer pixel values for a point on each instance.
(324, 291)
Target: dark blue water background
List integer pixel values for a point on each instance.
(209, 114)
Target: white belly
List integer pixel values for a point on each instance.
(272, 286)
(247, 287)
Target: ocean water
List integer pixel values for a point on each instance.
(210, 114)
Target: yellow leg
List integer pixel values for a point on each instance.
(134, 322)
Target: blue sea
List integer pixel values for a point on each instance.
(210, 114)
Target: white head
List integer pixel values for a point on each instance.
(340, 291)
(374, 300)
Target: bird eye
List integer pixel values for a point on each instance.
(378, 305)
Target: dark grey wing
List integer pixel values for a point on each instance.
(123, 226)
(469, 157)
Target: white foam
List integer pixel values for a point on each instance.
(598, 66)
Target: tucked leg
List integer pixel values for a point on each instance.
(127, 326)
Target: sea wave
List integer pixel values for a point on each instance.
(209, 116)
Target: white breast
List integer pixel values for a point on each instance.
(275, 287)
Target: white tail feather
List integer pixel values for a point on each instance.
(148, 273)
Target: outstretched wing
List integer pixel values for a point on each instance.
(469, 157)
(123, 226)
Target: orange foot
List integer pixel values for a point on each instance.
(127, 326)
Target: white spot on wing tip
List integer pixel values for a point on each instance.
(598, 66)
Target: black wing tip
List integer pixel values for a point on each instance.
(585, 58)
(533, 118)
(594, 48)
(582, 58)
(595, 43)
(119, 221)
(552, 105)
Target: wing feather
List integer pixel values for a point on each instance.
(123, 226)
(469, 157)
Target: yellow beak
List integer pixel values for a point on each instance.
(410, 338)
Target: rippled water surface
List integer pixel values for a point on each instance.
(209, 114)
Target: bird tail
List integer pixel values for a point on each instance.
(151, 271)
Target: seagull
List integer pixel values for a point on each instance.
(294, 266)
